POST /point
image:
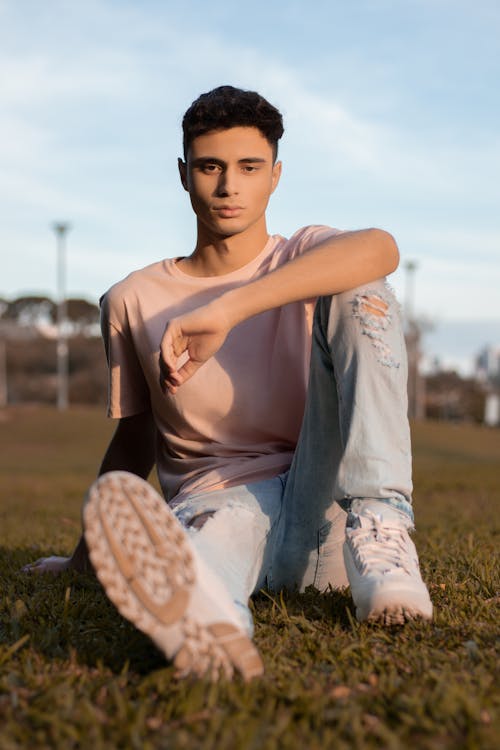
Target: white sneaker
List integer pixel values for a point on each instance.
(155, 578)
(382, 566)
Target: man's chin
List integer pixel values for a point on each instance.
(229, 229)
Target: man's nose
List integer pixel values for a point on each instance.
(227, 184)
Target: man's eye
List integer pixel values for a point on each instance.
(210, 168)
(249, 168)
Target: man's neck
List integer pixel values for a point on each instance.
(217, 256)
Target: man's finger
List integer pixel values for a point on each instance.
(165, 368)
(173, 350)
(169, 381)
(39, 566)
(167, 358)
(173, 380)
(28, 568)
(187, 370)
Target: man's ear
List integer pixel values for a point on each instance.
(183, 172)
(277, 168)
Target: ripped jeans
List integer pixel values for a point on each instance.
(354, 445)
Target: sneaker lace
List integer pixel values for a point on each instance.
(381, 546)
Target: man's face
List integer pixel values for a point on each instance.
(230, 176)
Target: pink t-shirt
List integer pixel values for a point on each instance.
(237, 420)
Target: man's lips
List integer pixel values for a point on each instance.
(228, 211)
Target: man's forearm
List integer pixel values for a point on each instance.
(342, 262)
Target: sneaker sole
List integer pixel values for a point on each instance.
(144, 560)
(393, 615)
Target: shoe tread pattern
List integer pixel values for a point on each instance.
(143, 559)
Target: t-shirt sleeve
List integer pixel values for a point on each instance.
(128, 392)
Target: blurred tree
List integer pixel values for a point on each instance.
(84, 316)
(39, 310)
(31, 311)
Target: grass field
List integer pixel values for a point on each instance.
(74, 674)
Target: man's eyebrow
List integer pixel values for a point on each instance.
(207, 160)
(201, 160)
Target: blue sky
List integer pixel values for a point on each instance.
(391, 111)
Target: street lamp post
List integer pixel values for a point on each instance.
(62, 343)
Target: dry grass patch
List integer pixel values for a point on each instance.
(74, 674)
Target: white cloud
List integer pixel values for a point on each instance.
(48, 79)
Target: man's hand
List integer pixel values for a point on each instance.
(189, 341)
(55, 565)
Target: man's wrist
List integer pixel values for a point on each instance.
(234, 306)
(227, 308)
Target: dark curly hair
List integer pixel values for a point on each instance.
(227, 107)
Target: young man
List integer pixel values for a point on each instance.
(209, 358)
